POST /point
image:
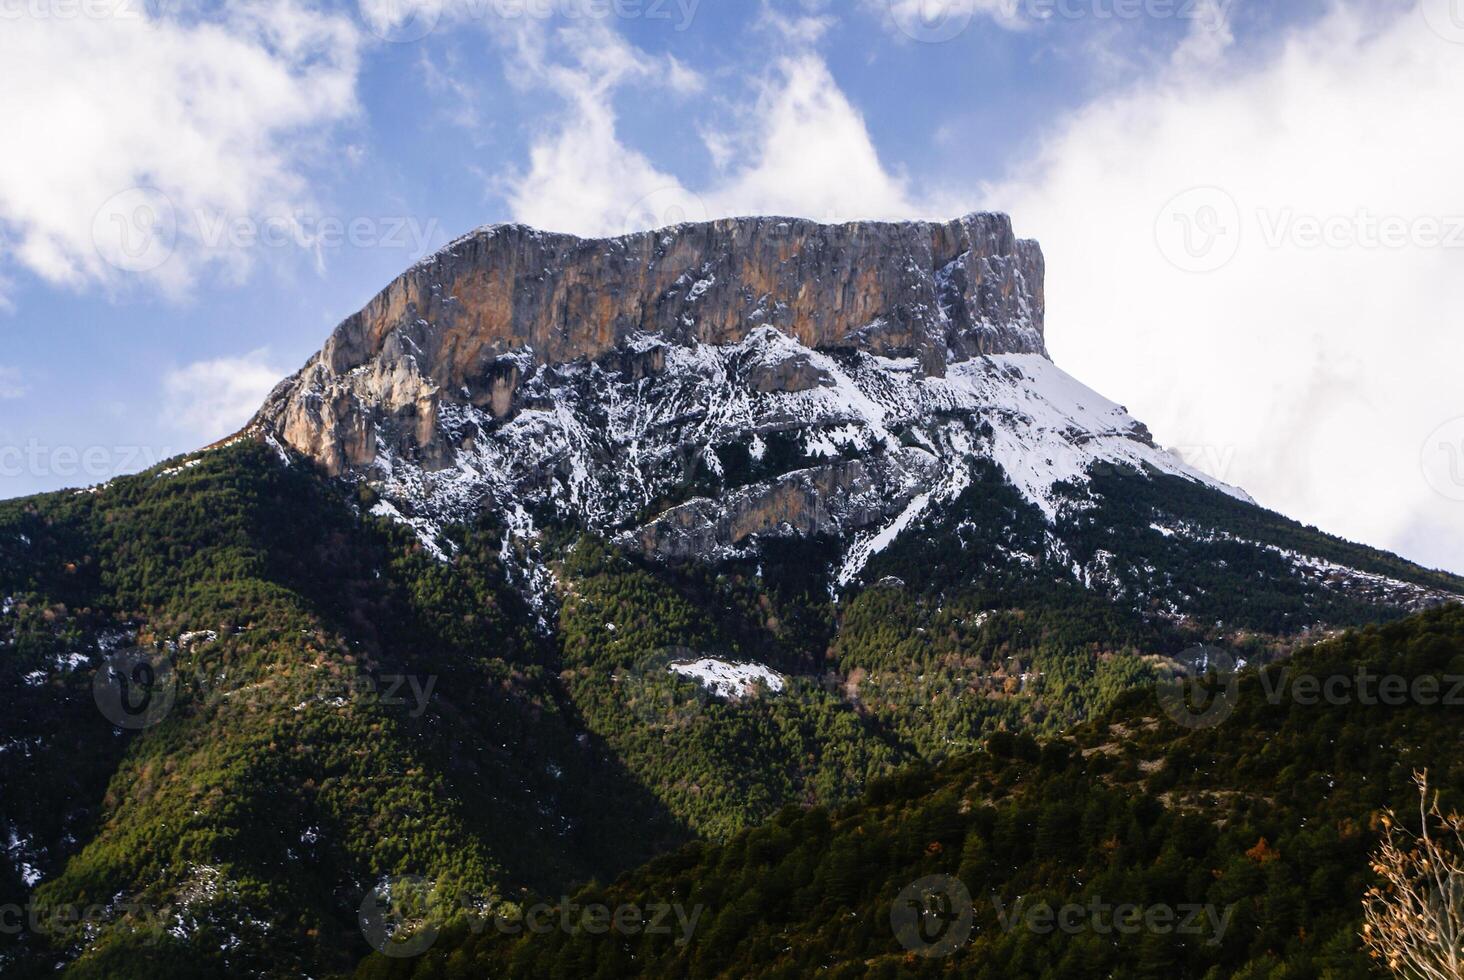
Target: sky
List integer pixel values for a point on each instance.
(1251, 212)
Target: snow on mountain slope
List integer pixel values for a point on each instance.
(1057, 429)
(864, 444)
(697, 392)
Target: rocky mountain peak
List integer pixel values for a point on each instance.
(470, 324)
(709, 391)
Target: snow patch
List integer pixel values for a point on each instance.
(175, 470)
(726, 679)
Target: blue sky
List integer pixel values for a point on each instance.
(193, 195)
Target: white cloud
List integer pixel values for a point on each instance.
(210, 117)
(11, 385)
(1310, 376)
(580, 176)
(1317, 370)
(942, 20)
(457, 98)
(805, 150)
(682, 79)
(800, 147)
(208, 400)
(804, 28)
(1209, 37)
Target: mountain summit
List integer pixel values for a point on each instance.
(470, 325)
(564, 552)
(702, 390)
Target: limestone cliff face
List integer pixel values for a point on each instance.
(716, 392)
(470, 325)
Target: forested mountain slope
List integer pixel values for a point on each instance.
(1240, 848)
(562, 553)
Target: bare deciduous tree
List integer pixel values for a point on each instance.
(1414, 920)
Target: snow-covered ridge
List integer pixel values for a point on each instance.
(1056, 428)
(1383, 589)
(875, 443)
(469, 326)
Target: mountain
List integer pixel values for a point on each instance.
(700, 391)
(1240, 850)
(563, 553)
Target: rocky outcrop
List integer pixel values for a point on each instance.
(470, 324)
(713, 392)
(830, 500)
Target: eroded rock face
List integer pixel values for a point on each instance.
(833, 499)
(713, 392)
(471, 324)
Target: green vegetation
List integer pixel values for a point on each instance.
(296, 766)
(347, 708)
(1228, 568)
(1264, 822)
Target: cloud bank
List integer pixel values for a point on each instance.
(1311, 374)
(208, 400)
(154, 121)
(1257, 246)
(1263, 258)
